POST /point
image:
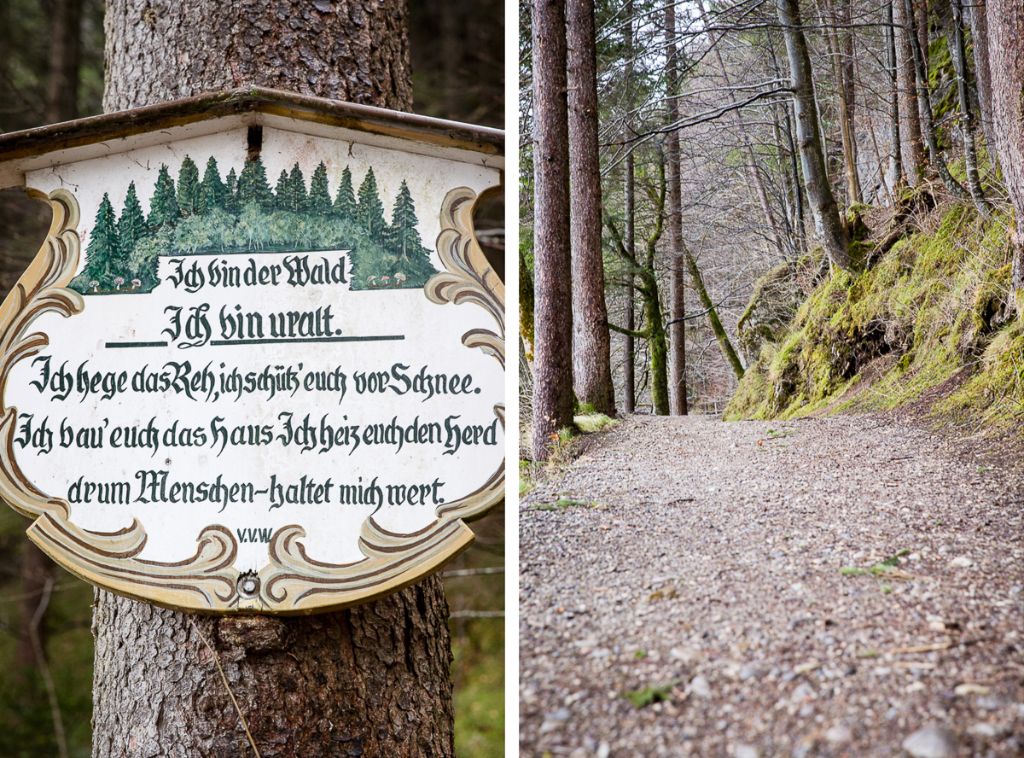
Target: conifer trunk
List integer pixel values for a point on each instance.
(828, 225)
(966, 126)
(674, 222)
(591, 343)
(1006, 64)
(552, 347)
(373, 680)
(982, 72)
(896, 156)
(910, 119)
(629, 191)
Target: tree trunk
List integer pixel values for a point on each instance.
(1006, 64)
(829, 226)
(849, 105)
(674, 211)
(896, 156)
(724, 343)
(656, 345)
(924, 105)
(910, 119)
(629, 203)
(799, 220)
(982, 73)
(959, 58)
(628, 345)
(591, 345)
(552, 367)
(160, 50)
(841, 54)
(373, 680)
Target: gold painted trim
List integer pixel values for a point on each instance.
(292, 582)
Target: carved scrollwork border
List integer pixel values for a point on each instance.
(291, 582)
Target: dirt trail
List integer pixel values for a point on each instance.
(739, 569)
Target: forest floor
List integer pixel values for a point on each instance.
(845, 586)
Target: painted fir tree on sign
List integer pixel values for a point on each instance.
(208, 215)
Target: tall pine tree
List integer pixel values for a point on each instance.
(296, 190)
(345, 202)
(104, 250)
(403, 237)
(231, 192)
(370, 208)
(188, 188)
(212, 192)
(282, 192)
(405, 243)
(163, 208)
(131, 227)
(319, 201)
(252, 185)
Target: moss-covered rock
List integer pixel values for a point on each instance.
(932, 305)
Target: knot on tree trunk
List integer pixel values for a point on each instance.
(252, 634)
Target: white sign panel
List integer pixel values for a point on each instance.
(271, 381)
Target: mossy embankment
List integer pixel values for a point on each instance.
(927, 322)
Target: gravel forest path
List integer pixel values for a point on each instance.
(847, 586)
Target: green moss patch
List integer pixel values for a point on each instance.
(932, 306)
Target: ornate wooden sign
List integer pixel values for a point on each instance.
(257, 364)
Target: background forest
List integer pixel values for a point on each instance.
(51, 69)
(803, 208)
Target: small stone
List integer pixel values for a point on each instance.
(749, 671)
(982, 729)
(990, 702)
(699, 687)
(684, 654)
(932, 741)
(839, 734)
(562, 714)
(603, 750)
(961, 561)
(745, 751)
(803, 691)
(966, 689)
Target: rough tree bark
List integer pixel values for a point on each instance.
(982, 73)
(552, 347)
(831, 230)
(356, 50)
(591, 343)
(674, 211)
(1006, 64)
(899, 175)
(628, 346)
(373, 680)
(629, 203)
(966, 125)
(913, 152)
